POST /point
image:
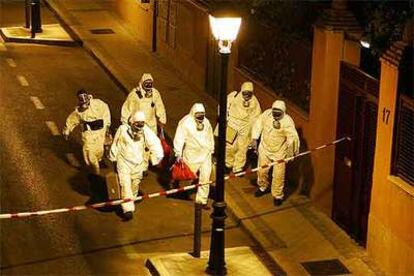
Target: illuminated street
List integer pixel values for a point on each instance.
(298, 116)
(35, 175)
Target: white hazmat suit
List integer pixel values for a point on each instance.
(150, 104)
(241, 115)
(279, 139)
(95, 121)
(128, 152)
(194, 142)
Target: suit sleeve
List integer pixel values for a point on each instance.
(154, 145)
(258, 127)
(113, 152)
(179, 139)
(210, 138)
(72, 121)
(292, 137)
(106, 116)
(256, 111)
(160, 109)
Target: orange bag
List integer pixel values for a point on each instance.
(180, 171)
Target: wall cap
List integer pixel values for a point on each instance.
(394, 54)
(401, 184)
(340, 20)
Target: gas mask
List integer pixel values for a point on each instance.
(199, 118)
(147, 86)
(137, 130)
(247, 96)
(277, 116)
(84, 100)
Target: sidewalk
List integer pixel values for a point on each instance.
(295, 234)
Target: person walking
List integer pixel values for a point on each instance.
(194, 144)
(127, 151)
(279, 139)
(243, 109)
(94, 117)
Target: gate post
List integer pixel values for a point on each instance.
(197, 230)
(35, 18)
(329, 49)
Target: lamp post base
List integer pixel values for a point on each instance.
(216, 262)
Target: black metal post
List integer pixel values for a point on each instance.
(35, 17)
(216, 262)
(197, 230)
(27, 13)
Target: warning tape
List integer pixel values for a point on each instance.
(162, 192)
(285, 160)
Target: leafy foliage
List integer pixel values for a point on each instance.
(276, 46)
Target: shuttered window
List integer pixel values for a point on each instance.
(404, 143)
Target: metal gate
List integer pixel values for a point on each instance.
(357, 118)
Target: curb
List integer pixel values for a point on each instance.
(51, 42)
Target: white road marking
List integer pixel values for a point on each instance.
(11, 62)
(37, 103)
(73, 161)
(22, 80)
(53, 128)
(3, 47)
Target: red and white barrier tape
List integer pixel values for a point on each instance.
(163, 192)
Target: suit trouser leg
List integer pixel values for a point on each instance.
(242, 142)
(263, 174)
(230, 155)
(278, 181)
(126, 192)
(135, 181)
(203, 191)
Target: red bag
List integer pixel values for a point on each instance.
(166, 148)
(180, 171)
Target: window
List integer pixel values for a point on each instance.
(404, 143)
(403, 165)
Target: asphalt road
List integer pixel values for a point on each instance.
(36, 175)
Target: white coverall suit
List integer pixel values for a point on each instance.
(129, 155)
(95, 121)
(196, 147)
(240, 119)
(275, 144)
(153, 107)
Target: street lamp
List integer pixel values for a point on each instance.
(224, 29)
(366, 41)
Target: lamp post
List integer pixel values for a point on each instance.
(225, 30)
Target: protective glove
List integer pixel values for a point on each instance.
(253, 145)
(161, 125)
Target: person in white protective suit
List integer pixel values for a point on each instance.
(147, 99)
(279, 139)
(94, 117)
(243, 109)
(127, 151)
(194, 143)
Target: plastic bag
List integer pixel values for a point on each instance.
(167, 151)
(165, 147)
(180, 171)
